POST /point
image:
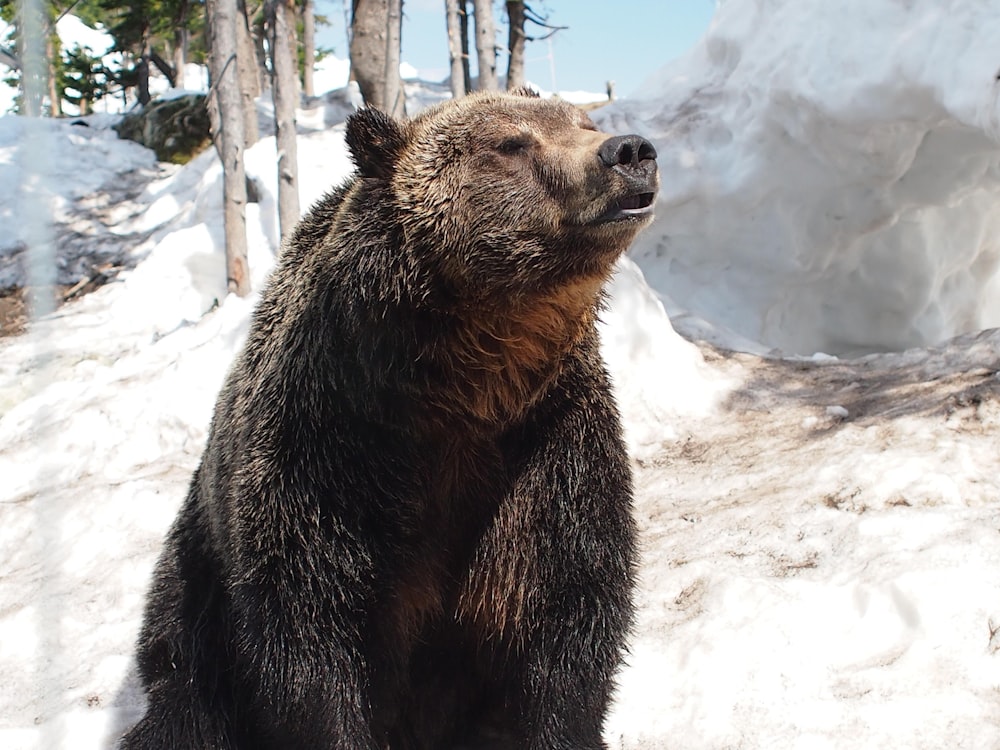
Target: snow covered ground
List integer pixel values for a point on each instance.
(821, 536)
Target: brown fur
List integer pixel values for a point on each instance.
(508, 357)
(411, 528)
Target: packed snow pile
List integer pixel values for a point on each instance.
(831, 173)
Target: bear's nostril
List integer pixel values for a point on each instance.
(626, 151)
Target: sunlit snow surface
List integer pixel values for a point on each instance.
(820, 537)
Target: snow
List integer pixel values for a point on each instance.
(879, 231)
(819, 533)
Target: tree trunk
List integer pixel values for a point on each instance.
(369, 24)
(164, 67)
(284, 86)
(486, 44)
(142, 78)
(180, 42)
(222, 17)
(395, 99)
(246, 57)
(32, 30)
(260, 50)
(463, 9)
(308, 47)
(515, 44)
(180, 55)
(454, 21)
(55, 96)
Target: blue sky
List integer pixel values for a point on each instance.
(622, 41)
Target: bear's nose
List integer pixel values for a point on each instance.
(626, 151)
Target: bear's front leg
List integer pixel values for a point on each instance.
(551, 586)
(299, 620)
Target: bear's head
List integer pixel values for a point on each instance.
(503, 194)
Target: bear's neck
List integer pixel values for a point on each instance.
(496, 362)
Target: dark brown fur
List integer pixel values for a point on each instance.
(411, 525)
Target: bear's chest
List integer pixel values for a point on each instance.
(464, 482)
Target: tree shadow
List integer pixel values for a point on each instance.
(88, 252)
(961, 374)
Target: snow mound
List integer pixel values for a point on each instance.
(671, 384)
(831, 173)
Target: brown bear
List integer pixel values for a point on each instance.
(410, 528)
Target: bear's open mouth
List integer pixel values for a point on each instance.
(636, 203)
(629, 208)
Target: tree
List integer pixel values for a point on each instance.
(518, 12)
(84, 79)
(458, 42)
(181, 36)
(222, 18)
(36, 55)
(369, 48)
(147, 32)
(486, 44)
(284, 88)
(395, 101)
(131, 27)
(246, 58)
(308, 47)
(464, 22)
(515, 44)
(159, 34)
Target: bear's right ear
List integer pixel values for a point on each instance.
(375, 141)
(525, 91)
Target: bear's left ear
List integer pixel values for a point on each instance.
(375, 141)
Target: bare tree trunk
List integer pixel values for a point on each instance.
(164, 67)
(463, 8)
(284, 86)
(222, 18)
(486, 42)
(369, 47)
(395, 100)
(55, 98)
(454, 22)
(308, 47)
(369, 24)
(32, 28)
(180, 42)
(260, 52)
(142, 77)
(515, 44)
(246, 57)
(179, 55)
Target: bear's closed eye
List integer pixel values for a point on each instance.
(515, 145)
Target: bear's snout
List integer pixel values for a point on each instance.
(630, 151)
(633, 158)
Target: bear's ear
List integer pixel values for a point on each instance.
(375, 141)
(525, 91)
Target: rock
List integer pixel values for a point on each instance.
(176, 129)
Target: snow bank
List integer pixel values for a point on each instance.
(660, 379)
(831, 172)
